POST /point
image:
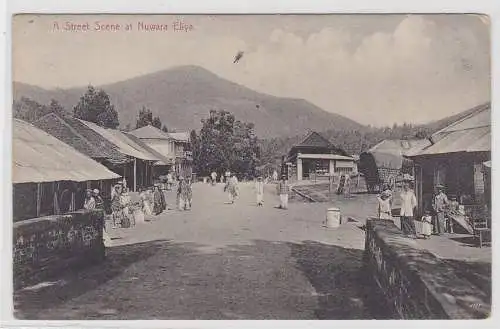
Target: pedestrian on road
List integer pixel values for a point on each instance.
(440, 204)
(231, 188)
(408, 204)
(283, 191)
(275, 176)
(259, 189)
(385, 205)
(158, 201)
(170, 181)
(126, 203)
(214, 178)
(116, 206)
(188, 194)
(145, 204)
(182, 194)
(89, 203)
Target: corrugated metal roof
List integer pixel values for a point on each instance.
(40, 157)
(163, 160)
(469, 134)
(470, 140)
(150, 132)
(124, 144)
(73, 132)
(180, 137)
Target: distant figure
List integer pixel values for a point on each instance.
(238, 56)
(440, 204)
(259, 190)
(347, 186)
(385, 205)
(145, 204)
(182, 194)
(170, 181)
(126, 202)
(188, 194)
(283, 191)
(116, 206)
(99, 202)
(427, 224)
(158, 201)
(214, 177)
(89, 203)
(275, 176)
(231, 188)
(408, 204)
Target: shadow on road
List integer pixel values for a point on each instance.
(75, 282)
(336, 274)
(261, 280)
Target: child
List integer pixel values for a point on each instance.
(385, 206)
(427, 224)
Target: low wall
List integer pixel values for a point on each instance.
(45, 246)
(415, 284)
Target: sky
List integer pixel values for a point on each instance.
(375, 69)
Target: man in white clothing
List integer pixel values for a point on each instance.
(408, 204)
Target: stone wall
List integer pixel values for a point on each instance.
(414, 283)
(45, 246)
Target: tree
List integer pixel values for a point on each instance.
(29, 110)
(156, 122)
(95, 106)
(146, 119)
(225, 144)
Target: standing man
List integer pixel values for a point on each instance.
(408, 204)
(440, 204)
(283, 191)
(347, 186)
(214, 177)
(259, 189)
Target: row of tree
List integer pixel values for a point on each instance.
(93, 106)
(224, 143)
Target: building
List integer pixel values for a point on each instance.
(173, 146)
(183, 153)
(456, 157)
(49, 176)
(140, 173)
(315, 158)
(86, 141)
(384, 162)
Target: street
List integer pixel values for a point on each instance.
(219, 261)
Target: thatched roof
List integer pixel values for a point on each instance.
(390, 153)
(40, 157)
(122, 142)
(74, 133)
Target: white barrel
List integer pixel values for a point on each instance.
(333, 217)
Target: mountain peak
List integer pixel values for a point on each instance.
(181, 96)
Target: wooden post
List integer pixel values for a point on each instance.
(38, 198)
(135, 174)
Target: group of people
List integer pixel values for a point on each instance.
(437, 224)
(93, 200)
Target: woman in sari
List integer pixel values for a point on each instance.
(158, 201)
(146, 205)
(116, 206)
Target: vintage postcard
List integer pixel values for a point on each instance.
(246, 167)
